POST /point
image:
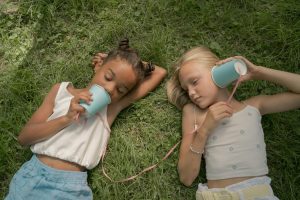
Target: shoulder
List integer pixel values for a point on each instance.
(191, 114)
(188, 107)
(191, 108)
(50, 97)
(258, 102)
(54, 89)
(255, 101)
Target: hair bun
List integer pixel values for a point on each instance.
(124, 44)
(149, 67)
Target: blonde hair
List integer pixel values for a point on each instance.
(202, 55)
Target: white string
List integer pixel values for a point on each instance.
(195, 119)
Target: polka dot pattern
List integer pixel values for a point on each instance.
(235, 141)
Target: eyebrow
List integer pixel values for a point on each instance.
(114, 75)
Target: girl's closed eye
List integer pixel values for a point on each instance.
(108, 77)
(195, 81)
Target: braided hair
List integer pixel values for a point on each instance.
(124, 52)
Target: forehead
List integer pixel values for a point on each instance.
(191, 69)
(123, 72)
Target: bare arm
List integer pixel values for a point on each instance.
(38, 128)
(146, 86)
(286, 79)
(189, 162)
(272, 103)
(278, 102)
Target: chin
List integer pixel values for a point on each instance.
(202, 105)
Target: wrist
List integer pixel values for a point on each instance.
(201, 137)
(65, 120)
(203, 132)
(198, 144)
(259, 72)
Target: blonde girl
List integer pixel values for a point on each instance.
(229, 134)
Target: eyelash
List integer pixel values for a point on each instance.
(195, 82)
(107, 77)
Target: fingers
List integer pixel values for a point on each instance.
(75, 109)
(225, 60)
(221, 110)
(232, 58)
(248, 63)
(102, 55)
(215, 113)
(243, 59)
(98, 58)
(85, 96)
(220, 104)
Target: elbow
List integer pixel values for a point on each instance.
(164, 72)
(185, 178)
(161, 72)
(187, 181)
(21, 141)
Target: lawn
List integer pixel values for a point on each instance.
(44, 42)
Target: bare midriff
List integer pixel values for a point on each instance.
(226, 182)
(60, 164)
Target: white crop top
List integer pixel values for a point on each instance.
(82, 142)
(236, 147)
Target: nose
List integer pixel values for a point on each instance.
(191, 92)
(109, 87)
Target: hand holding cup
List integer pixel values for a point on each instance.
(100, 99)
(228, 72)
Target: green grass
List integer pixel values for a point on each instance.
(44, 42)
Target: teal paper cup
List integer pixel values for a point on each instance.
(228, 72)
(100, 99)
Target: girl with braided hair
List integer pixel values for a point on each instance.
(65, 144)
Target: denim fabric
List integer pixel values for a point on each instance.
(37, 181)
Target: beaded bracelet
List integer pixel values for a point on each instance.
(194, 151)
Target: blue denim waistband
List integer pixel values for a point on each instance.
(56, 175)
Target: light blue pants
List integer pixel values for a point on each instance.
(257, 188)
(37, 181)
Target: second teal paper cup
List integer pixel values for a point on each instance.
(228, 72)
(100, 99)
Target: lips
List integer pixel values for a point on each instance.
(196, 99)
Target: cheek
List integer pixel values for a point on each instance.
(214, 90)
(98, 78)
(115, 99)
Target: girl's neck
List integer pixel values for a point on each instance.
(223, 95)
(235, 104)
